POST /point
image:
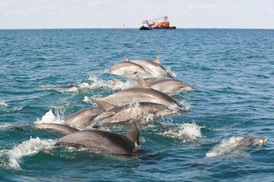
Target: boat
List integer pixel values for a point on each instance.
(124, 26)
(152, 24)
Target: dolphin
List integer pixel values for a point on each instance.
(83, 118)
(98, 140)
(127, 68)
(142, 93)
(236, 145)
(249, 141)
(154, 68)
(55, 128)
(169, 86)
(135, 112)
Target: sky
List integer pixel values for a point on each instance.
(36, 14)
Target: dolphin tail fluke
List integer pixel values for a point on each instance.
(158, 60)
(133, 134)
(126, 59)
(141, 82)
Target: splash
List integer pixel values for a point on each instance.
(132, 112)
(185, 131)
(3, 103)
(91, 100)
(173, 74)
(229, 146)
(110, 85)
(49, 117)
(26, 148)
(185, 105)
(4, 126)
(72, 89)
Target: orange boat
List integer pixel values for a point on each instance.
(152, 24)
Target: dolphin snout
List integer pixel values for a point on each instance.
(261, 140)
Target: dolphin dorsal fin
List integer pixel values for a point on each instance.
(141, 82)
(126, 59)
(133, 134)
(104, 105)
(158, 60)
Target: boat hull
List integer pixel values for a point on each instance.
(164, 28)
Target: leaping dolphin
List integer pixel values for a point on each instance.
(154, 68)
(169, 86)
(98, 140)
(135, 112)
(83, 118)
(142, 93)
(126, 68)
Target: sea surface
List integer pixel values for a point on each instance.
(231, 69)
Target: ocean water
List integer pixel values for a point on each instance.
(232, 71)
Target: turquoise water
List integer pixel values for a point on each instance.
(232, 71)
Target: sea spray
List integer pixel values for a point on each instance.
(185, 132)
(3, 104)
(55, 88)
(26, 148)
(49, 117)
(110, 84)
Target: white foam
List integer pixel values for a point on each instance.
(111, 84)
(173, 74)
(185, 105)
(5, 126)
(59, 89)
(3, 103)
(91, 100)
(49, 117)
(185, 131)
(26, 148)
(229, 146)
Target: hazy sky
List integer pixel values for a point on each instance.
(17, 14)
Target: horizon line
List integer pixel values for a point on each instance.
(133, 28)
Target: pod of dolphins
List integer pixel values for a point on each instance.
(148, 100)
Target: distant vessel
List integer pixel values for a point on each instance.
(152, 24)
(124, 26)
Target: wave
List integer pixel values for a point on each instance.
(10, 159)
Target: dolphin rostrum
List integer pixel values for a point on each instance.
(154, 68)
(99, 140)
(142, 93)
(83, 118)
(55, 128)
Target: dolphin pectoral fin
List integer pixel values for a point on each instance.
(158, 60)
(133, 134)
(126, 59)
(104, 105)
(141, 82)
